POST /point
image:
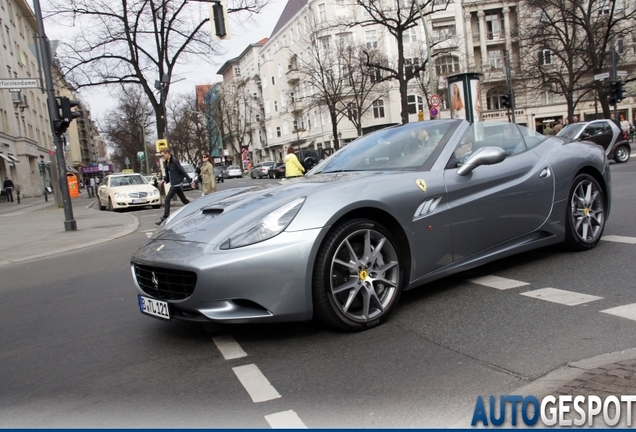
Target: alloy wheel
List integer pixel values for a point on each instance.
(587, 212)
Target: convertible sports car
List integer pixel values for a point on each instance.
(391, 211)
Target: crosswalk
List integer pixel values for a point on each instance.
(560, 296)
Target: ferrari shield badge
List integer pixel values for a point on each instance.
(421, 184)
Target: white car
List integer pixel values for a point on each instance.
(193, 176)
(234, 171)
(126, 190)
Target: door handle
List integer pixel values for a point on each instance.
(545, 173)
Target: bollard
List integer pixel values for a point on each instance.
(18, 194)
(46, 195)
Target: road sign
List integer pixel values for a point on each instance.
(434, 112)
(601, 76)
(435, 100)
(621, 73)
(19, 83)
(140, 155)
(161, 144)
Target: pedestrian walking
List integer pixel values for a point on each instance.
(208, 182)
(293, 167)
(8, 188)
(175, 176)
(548, 130)
(558, 126)
(624, 124)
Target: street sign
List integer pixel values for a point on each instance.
(434, 112)
(435, 100)
(621, 73)
(140, 155)
(19, 83)
(161, 144)
(601, 76)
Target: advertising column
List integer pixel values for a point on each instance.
(464, 94)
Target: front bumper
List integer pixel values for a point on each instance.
(265, 282)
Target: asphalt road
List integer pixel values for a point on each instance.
(76, 351)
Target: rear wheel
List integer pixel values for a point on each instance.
(585, 219)
(357, 276)
(622, 154)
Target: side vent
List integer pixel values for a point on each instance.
(427, 207)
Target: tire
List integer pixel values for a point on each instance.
(110, 205)
(99, 204)
(621, 155)
(585, 214)
(375, 276)
(156, 206)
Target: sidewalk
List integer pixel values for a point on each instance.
(35, 229)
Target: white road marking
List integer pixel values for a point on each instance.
(258, 387)
(498, 282)
(568, 298)
(150, 230)
(626, 311)
(285, 420)
(229, 347)
(619, 239)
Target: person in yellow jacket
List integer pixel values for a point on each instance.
(207, 176)
(293, 167)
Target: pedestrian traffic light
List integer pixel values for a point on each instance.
(616, 92)
(220, 19)
(506, 100)
(65, 114)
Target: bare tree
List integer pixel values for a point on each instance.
(189, 137)
(237, 112)
(127, 126)
(396, 17)
(123, 42)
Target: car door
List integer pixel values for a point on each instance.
(599, 132)
(499, 202)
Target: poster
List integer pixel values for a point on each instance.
(457, 100)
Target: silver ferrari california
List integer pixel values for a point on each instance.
(391, 211)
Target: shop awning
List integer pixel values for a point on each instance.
(14, 159)
(5, 157)
(71, 169)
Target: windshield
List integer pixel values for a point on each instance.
(571, 131)
(400, 148)
(127, 180)
(188, 168)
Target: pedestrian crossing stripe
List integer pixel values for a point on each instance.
(497, 282)
(625, 311)
(619, 239)
(554, 295)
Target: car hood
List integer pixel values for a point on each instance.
(213, 218)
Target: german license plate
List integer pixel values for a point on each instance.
(138, 201)
(154, 307)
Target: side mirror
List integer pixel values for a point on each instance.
(585, 136)
(482, 156)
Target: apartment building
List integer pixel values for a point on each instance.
(26, 140)
(464, 36)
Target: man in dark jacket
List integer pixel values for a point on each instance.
(175, 176)
(8, 188)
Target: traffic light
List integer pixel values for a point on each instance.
(219, 18)
(616, 92)
(65, 114)
(506, 100)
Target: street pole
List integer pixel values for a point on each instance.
(431, 72)
(143, 138)
(510, 90)
(45, 49)
(613, 75)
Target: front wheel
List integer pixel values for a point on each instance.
(110, 205)
(357, 276)
(622, 154)
(99, 204)
(585, 219)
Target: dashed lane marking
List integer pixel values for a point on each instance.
(285, 420)
(619, 239)
(229, 347)
(625, 311)
(258, 387)
(568, 298)
(497, 282)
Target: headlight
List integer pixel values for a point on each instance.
(119, 195)
(266, 227)
(154, 192)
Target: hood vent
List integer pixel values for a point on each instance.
(211, 211)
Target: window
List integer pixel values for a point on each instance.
(324, 46)
(446, 65)
(409, 35)
(275, 105)
(378, 109)
(547, 97)
(415, 103)
(352, 111)
(341, 9)
(376, 75)
(280, 70)
(344, 40)
(322, 13)
(284, 40)
(273, 81)
(494, 26)
(443, 31)
(372, 38)
(495, 60)
(545, 57)
(620, 46)
(237, 71)
(267, 106)
(493, 98)
(410, 65)
(278, 134)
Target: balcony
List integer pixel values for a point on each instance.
(299, 129)
(493, 75)
(293, 76)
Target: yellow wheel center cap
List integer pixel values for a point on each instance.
(363, 274)
(586, 211)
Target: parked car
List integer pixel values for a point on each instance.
(277, 171)
(382, 215)
(261, 170)
(604, 133)
(308, 158)
(192, 172)
(126, 190)
(219, 174)
(234, 171)
(153, 180)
